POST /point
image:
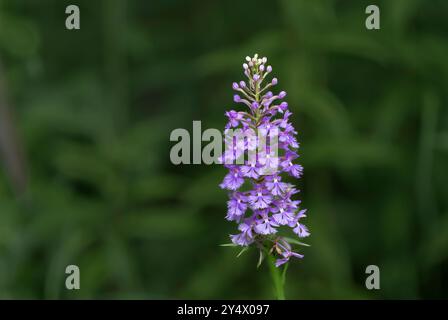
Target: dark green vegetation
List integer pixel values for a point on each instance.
(94, 109)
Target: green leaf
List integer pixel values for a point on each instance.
(242, 251)
(292, 240)
(227, 245)
(284, 273)
(260, 259)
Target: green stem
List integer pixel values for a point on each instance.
(277, 277)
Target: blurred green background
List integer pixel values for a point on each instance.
(85, 121)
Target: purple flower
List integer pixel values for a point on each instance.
(287, 136)
(283, 217)
(254, 105)
(274, 185)
(265, 225)
(265, 127)
(283, 212)
(234, 118)
(263, 207)
(286, 255)
(299, 229)
(259, 198)
(236, 206)
(244, 238)
(251, 170)
(294, 170)
(233, 180)
(283, 106)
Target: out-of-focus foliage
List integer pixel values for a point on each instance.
(95, 109)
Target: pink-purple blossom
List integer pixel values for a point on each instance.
(260, 194)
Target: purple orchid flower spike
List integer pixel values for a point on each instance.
(259, 188)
